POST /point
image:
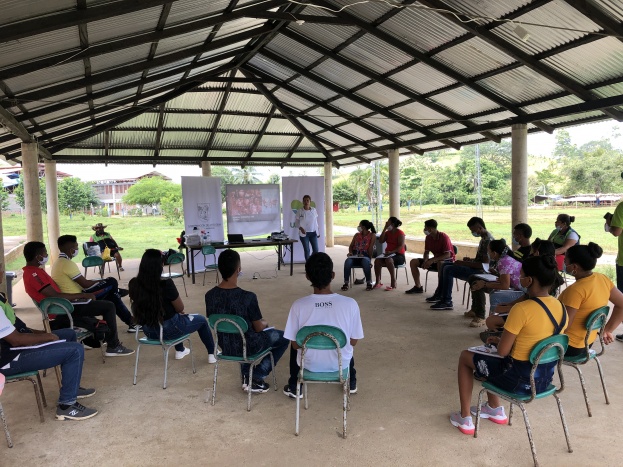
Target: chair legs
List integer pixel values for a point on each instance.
(6, 428)
(564, 422)
(165, 352)
(138, 351)
(345, 404)
(583, 384)
(39, 394)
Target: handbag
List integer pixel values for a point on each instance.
(106, 254)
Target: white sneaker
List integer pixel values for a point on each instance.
(179, 355)
(211, 358)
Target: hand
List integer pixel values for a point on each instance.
(349, 254)
(53, 337)
(88, 296)
(427, 264)
(478, 285)
(466, 258)
(493, 340)
(119, 248)
(387, 224)
(608, 338)
(302, 230)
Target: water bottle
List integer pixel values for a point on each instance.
(208, 238)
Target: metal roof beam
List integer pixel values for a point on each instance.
(219, 115)
(261, 133)
(17, 129)
(183, 160)
(294, 148)
(598, 16)
(299, 18)
(159, 130)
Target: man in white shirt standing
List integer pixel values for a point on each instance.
(307, 223)
(323, 307)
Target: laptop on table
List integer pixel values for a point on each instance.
(235, 238)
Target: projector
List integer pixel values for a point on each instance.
(278, 236)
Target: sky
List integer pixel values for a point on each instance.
(539, 144)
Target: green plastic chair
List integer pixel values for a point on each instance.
(596, 322)
(176, 258)
(35, 379)
(207, 250)
(2, 417)
(85, 249)
(233, 324)
(327, 338)
(166, 345)
(548, 350)
(93, 262)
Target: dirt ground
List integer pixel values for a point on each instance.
(406, 367)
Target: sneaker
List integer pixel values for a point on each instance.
(442, 306)
(353, 388)
(132, 328)
(415, 289)
(469, 314)
(211, 358)
(245, 382)
(290, 393)
(465, 425)
(619, 337)
(495, 415)
(76, 411)
(83, 393)
(259, 386)
(181, 354)
(360, 281)
(121, 269)
(123, 292)
(434, 299)
(119, 351)
(477, 322)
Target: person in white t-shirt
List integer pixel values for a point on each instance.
(307, 223)
(323, 307)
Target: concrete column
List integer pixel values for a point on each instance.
(51, 198)
(394, 183)
(519, 180)
(206, 168)
(328, 204)
(2, 263)
(32, 196)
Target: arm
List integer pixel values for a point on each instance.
(371, 245)
(571, 312)
(350, 247)
(565, 246)
(48, 291)
(294, 345)
(503, 283)
(353, 342)
(259, 325)
(435, 259)
(178, 305)
(616, 297)
(504, 343)
(19, 339)
(84, 282)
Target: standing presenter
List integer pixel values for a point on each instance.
(307, 223)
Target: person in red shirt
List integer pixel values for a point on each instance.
(394, 254)
(437, 243)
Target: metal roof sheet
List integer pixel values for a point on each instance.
(183, 41)
(238, 122)
(240, 102)
(339, 74)
(41, 78)
(119, 57)
(17, 10)
(28, 48)
(313, 88)
(375, 54)
(181, 153)
(181, 139)
(294, 51)
(387, 125)
(464, 100)
(520, 84)
(381, 94)
(473, 57)
(487, 10)
(351, 107)
(116, 27)
(184, 10)
(360, 133)
(422, 78)
(326, 35)
(421, 114)
(274, 142)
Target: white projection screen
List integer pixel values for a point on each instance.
(253, 209)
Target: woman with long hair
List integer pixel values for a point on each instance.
(360, 252)
(156, 301)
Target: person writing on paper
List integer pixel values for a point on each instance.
(69, 355)
(563, 237)
(360, 253)
(307, 223)
(590, 291)
(105, 240)
(505, 288)
(528, 323)
(394, 254)
(157, 302)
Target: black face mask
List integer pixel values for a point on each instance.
(99, 232)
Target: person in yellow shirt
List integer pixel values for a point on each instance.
(590, 291)
(528, 322)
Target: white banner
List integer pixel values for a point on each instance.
(292, 191)
(201, 197)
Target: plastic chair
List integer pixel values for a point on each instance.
(327, 338)
(37, 386)
(176, 258)
(548, 350)
(85, 249)
(6, 427)
(434, 268)
(233, 324)
(596, 322)
(95, 262)
(166, 345)
(207, 250)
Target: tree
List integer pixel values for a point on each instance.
(564, 147)
(150, 191)
(343, 193)
(4, 199)
(226, 178)
(75, 195)
(274, 179)
(245, 176)
(172, 209)
(595, 171)
(19, 194)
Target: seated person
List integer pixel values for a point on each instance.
(521, 239)
(563, 237)
(104, 239)
(40, 285)
(590, 291)
(360, 252)
(462, 269)
(69, 355)
(437, 243)
(326, 308)
(505, 289)
(68, 277)
(528, 323)
(395, 246)
(156, 301)
(228, 298)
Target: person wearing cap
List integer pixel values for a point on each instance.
(105, 240)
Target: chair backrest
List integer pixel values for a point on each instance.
(597, 319)
(550, 349)
(208, 250)
(321, 337)
(56, 306)
(92, 261)
(230, 324)
(87, 245)
(175, 258)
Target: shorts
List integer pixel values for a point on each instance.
(576, 352)
(399, 259)
(513, 375)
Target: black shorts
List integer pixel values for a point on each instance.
(513, 375)
(399, 259)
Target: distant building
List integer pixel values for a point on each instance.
(111, 192)
(10, 175)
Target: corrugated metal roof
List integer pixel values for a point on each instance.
(240, 102)
(313, 88)
(116, 27)
(182, 41)
(274, 142)
(27, 48)
(422, 78)
(351, 107)
(387, 125)
(487, 10)
(236, 122)
(464, 100)
(293, 50)
(181, 153)
(381, 94)
(183, 10)
(361, 133)
(120, 57)
(179, 139)
(42, 78)
(339, 74)
(473, 57)
(375, 54)
(421, 114)
(520, 84)
(15, 10)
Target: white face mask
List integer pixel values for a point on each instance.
(426, 232)
(239, 273)
(359, 229)
(390, 227)
(43, 260)
(475, 234)
(74, 254)
(606, 227)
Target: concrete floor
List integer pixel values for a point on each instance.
(407, 387)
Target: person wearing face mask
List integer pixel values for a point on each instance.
(437, 243)
(442, 298)
(68, 277)
(105, 240)
(40, 285)
(394, 254)
(156, 301)
(228, 298)
(563, 237)
(360, 253)
(521, 240)
(591, 290)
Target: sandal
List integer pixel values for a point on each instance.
(369, 286)
(345, 286)
(378, 285)
(389, 288)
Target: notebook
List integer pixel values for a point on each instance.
(235, 238)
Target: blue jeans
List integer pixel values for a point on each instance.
(449, 273)
(503, 296)
(357, 261)
(179, 325)
(278, 344)
(310, 237)
(69, 355)
(109, 290)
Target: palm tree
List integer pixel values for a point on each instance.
(245, 176)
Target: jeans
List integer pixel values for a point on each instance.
(278, 344)
(449, 273)
(619, 270)
(109, 290)
(179, 325)
(503, 296)
(295, 368)
(356, 261)
(310, 237)
(69, 355)
(106, 310)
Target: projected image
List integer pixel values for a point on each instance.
(253, 204)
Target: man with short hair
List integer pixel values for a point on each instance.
(614, 225)
(40, 285)
(437, 243)
(323, 307)
(521, 239)
(463, 269)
